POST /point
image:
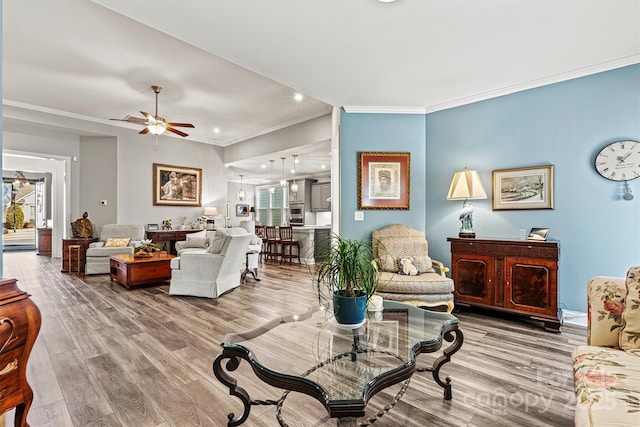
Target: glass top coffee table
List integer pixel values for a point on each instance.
(340, 367)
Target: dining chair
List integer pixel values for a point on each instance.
(273, 242)
(287, 243)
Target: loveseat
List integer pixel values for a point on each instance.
(214, 271)
(428, 288)
(114, 239)
(606, 371)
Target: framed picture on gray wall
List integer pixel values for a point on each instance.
(176, 185)
(523, 188)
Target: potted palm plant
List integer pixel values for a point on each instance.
(348, 275)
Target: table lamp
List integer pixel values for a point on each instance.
(466, 185)
(252, 211)
(210, 213)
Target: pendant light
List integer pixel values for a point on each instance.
(272, 189)
(294, 186)
(283, 182)
(241, 193)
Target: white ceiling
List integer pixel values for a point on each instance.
(236, 64)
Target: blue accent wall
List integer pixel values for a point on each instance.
(563, 124)
(380, 132)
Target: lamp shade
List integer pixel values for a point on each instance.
(252, 209)
(210, 211)
(466, 184)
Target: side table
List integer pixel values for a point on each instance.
(247, 270)
(75, 265)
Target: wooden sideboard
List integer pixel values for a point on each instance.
(77, 260)
(20, 321)
(164, 237)
(513, 276)
(44, 241)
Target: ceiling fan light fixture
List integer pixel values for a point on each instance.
(157, 128)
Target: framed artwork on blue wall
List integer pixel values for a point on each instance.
(383, 180)
(523, 188)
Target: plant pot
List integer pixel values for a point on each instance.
(349, 310)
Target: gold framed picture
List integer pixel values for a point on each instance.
(383, 180)
(523, 188)
(176, 185)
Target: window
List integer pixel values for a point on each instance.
(272, 209)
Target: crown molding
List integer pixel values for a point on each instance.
(507, 90)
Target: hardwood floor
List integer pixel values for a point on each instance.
(106, 356)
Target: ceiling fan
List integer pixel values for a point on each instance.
(156, 124)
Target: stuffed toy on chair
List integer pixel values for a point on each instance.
(407, 267)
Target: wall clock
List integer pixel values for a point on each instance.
(619, 161)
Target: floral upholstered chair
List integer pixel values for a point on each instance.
(606, 371)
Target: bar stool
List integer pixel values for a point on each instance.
(287, 242)
(74, 250)
(273, 242)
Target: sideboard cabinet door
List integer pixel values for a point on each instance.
(473, 278)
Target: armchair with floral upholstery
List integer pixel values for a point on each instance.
(427, 288)
(606, 371)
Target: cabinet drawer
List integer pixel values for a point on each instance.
(13, 326)
(522, 249)
(10, 367)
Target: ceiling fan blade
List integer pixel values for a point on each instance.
(147, 115)
(144, 130)
(176, 131)
(181, 125)
(129, 119)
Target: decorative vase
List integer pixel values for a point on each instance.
(349, 310)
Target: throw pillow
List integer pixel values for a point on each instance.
(423, 264)
(218, 243)
(630, 332)
(197, 235)
(197, 242)
(117, 242)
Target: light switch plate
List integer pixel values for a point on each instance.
(359, 216)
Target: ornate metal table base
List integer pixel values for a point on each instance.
(233, 356)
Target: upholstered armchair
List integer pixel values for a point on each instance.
(213, 272)
(114, 239)
(423, 287)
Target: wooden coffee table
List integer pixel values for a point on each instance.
(132, 272)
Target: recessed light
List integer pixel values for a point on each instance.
(216, 130)
(323, 166)
(386, 1)
(298, 96)
(263, 166)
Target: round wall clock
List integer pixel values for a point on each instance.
(619, 161)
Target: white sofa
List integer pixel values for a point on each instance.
(214, 271)
(98, 255)
(200, 241)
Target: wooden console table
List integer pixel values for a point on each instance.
(162, 237)
(514, 276)
(77, 260)
(20, 321)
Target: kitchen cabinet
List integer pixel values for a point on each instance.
(513, 276)
(320, 197)
(303, 195)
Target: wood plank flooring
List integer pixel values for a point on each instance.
(106, 356)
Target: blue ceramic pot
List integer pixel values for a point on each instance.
(349, 310)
